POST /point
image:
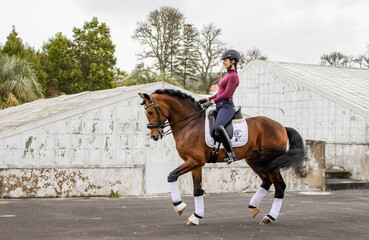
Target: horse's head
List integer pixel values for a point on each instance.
(155, 116)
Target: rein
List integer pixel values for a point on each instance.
(161, 126)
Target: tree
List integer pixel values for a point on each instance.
(94, 51)
(188, 56)
(335, 59)
(18, 82)
(63, 70)
(160, 34)
(363, 60)
(14, 45)
(210, 49)
(251, 54)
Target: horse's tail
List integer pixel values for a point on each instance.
(294, 158)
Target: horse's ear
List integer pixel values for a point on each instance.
(144, 96)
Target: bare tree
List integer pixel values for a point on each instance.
(336, 59)
(160, 35)
(210, 48)
(251, 54)
(363, 60)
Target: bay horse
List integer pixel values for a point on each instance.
(266, 151)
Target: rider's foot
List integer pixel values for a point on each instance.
(231, 157)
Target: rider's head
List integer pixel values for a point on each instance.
(230, 59)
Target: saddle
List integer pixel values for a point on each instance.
(212, 115)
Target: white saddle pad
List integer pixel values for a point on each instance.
(240, 133)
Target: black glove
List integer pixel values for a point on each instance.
(207, 104)
(201, 101)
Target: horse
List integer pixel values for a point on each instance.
(270, 147)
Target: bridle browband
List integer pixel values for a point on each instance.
(160, 126)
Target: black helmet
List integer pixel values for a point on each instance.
(231, 54)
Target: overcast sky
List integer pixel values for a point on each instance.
(285, 30)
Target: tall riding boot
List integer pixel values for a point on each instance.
(231, 156)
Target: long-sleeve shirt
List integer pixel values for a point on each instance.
(227, 86)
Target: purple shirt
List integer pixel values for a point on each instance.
(227, 86)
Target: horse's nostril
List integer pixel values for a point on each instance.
(153, 137)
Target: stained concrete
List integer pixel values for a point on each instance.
(304, 215)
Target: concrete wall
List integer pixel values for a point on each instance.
(90, 151)
(352, 157)
(132, 181)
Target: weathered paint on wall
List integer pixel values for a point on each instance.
(352, 157)
(69, 182)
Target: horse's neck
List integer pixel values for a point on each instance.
(179, 111)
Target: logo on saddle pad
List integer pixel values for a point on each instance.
(239, 138)
(237, 134)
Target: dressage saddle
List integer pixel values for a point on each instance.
(212, 115)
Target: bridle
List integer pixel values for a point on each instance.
(160, 126)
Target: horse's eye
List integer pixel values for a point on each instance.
(150, 113)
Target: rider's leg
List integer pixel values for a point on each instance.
(231, 156)
(224, 116)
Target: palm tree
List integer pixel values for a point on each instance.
(18, 82)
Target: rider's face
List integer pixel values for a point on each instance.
(226, 63)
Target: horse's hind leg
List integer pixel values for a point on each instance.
(260, 194)
(279, 186)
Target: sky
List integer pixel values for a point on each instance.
(297, 31)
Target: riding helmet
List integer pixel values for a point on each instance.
(231, 54)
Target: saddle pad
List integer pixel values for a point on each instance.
(240, 134)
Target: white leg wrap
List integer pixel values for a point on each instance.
(258, 196)
(276, 207)
(174, 191)
(179, 208)
(199, 206)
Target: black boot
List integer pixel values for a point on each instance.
(231, 156)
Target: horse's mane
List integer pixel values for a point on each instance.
(179, 94)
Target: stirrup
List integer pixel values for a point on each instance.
(231, 157)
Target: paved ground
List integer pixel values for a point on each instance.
(335, 215)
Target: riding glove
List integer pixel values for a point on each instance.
(201, 101)
(207, 104)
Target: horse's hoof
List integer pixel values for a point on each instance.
(193, 221)
(189, 223)
(180, 208)
(266, 220)
(254, 212)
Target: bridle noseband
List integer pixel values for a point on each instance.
(160, 126)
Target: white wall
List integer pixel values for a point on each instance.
(313, 115)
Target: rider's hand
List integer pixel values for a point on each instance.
(207, 104)
(204, 100)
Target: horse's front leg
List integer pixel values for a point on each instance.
(187, 166)
(198, 193)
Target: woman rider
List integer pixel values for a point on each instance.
(224, 102)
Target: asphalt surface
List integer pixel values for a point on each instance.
(311, 215)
